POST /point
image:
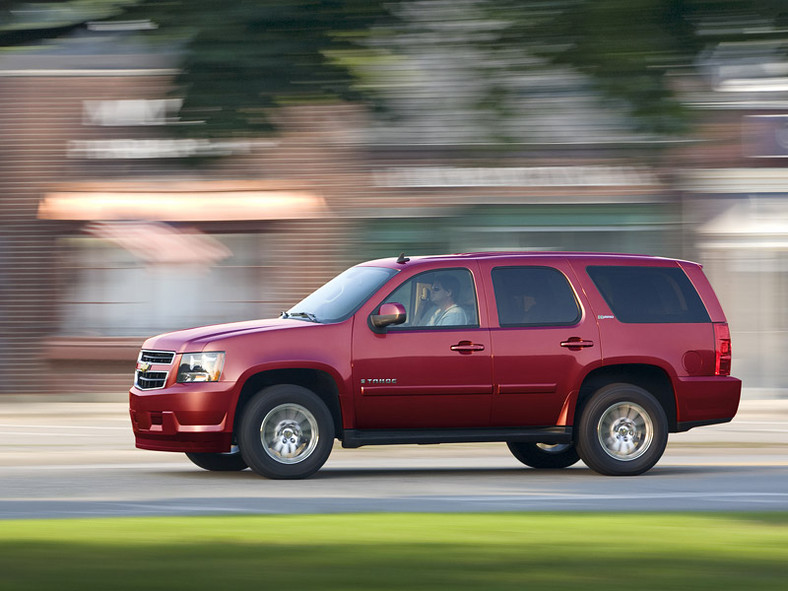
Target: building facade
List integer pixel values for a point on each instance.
(113, 228)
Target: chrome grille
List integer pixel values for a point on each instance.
(161, 357)
(150, 380)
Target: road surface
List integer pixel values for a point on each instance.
(78, 459)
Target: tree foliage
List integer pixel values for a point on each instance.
(242, 58)
(246, 57)
(32, 21)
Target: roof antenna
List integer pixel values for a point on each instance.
(402, 259)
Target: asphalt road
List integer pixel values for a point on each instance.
(78, 459)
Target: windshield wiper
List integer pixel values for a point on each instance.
(307, 315)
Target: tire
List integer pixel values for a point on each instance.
(229, 462)
(622, 431)
(543, 455)
(286, 432)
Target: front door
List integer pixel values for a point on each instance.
(433, 371)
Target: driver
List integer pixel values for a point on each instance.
(447, 312)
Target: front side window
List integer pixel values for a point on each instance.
(534, 296)
(339, 299)
(438, 299)
(649, 294)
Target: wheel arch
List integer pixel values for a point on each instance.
(318, 381)
(652, 378)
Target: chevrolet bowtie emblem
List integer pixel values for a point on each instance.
(143, 367)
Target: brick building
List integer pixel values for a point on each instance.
(113, 230)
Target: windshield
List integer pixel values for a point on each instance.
(338, 299)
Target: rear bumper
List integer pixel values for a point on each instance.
(706, 400)
(183, 418)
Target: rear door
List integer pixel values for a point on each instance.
(544, 339)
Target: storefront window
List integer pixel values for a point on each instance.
(110, 291)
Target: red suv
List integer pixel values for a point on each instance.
(563, 356)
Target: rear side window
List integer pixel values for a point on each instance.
(649, 295)
(534, 296)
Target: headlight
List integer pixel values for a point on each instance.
(201, 367)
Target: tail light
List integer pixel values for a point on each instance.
(722, 346)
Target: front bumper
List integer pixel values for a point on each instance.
(184, 417)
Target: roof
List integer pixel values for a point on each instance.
(515, 256)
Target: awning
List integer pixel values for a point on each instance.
(751, 217)
(736, 181)
(752, 224)
(200, 204)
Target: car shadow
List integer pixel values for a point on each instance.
(574, 472)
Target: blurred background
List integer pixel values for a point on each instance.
(166, 164)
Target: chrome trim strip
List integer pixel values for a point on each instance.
(143, 351)
(139, 387)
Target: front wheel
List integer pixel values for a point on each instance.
(286, 432)
(544, 456)
(622, 431)
(218, 462)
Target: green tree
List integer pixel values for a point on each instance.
(31, 21)
(629, 48)
(245, 57)
(242, 58)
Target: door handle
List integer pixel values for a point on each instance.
(466, 347)
(576, 343)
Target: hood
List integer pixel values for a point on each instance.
(195, 339)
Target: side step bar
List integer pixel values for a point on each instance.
(359, 437)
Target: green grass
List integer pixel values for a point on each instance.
(400, 552)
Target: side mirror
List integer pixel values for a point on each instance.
(388, 315)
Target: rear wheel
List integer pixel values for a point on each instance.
(286, 432)
(622, 431)
(544, 455)
(227, 462)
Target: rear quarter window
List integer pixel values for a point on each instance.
(649, 295)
